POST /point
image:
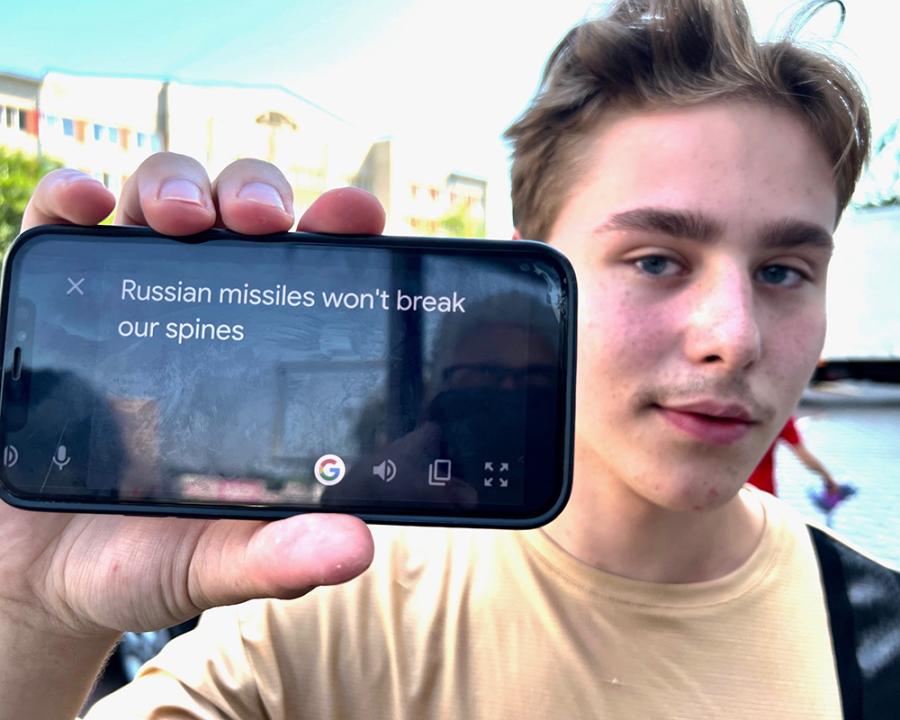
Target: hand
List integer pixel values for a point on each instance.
(93, 576)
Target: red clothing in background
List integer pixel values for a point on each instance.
(764, 475)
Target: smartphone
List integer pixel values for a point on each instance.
(404, 380)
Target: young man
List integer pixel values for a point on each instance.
(694, 178)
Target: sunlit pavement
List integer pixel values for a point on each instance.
(854, 429)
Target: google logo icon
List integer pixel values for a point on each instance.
(330, 470)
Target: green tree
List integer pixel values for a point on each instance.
(458, 222)
(19, 174)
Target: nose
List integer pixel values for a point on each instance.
(723, 326)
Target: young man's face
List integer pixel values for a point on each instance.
(701, 239)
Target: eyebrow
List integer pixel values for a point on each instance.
(791, 233)
(677, 223)
(781, 234)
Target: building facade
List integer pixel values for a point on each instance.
(420, 197)
(106, 126)
(18, 113)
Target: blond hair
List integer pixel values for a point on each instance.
(658, 53)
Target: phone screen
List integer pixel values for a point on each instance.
(393, 378)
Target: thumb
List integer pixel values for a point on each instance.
(237, 561)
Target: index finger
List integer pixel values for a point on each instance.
(68, 196)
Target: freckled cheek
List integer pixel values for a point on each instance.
(794, 346)
(619, 339)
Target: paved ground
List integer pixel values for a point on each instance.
(854, 429)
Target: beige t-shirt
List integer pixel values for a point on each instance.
(502, 624)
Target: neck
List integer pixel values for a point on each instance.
(610, 527)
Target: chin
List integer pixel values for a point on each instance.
(689, 494)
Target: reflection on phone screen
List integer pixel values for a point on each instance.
(287, 374)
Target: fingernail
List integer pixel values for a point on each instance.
(181, 190)
(261, 193)
(76, 176)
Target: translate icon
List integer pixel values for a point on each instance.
(439, 472)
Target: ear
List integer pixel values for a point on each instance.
(516, 234)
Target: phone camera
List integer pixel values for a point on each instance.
(21, 336)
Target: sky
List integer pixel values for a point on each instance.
(449, 75)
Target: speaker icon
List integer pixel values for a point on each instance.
(386, 470)
(10, 456)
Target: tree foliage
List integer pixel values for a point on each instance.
(458, 222)
(19, 174)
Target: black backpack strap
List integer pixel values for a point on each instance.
(863, 599)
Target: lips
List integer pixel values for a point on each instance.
(709, 422)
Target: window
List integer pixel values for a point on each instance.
(12, 117)
(98, 131)
(28, 121)
(106, 179)
(113, 135)
(155, 144)
(141, 139)
(69, 127)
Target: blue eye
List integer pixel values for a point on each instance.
(781, 275)
(656, 265)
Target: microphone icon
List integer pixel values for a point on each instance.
(61, 458)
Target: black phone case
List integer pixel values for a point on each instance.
(371, 515)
